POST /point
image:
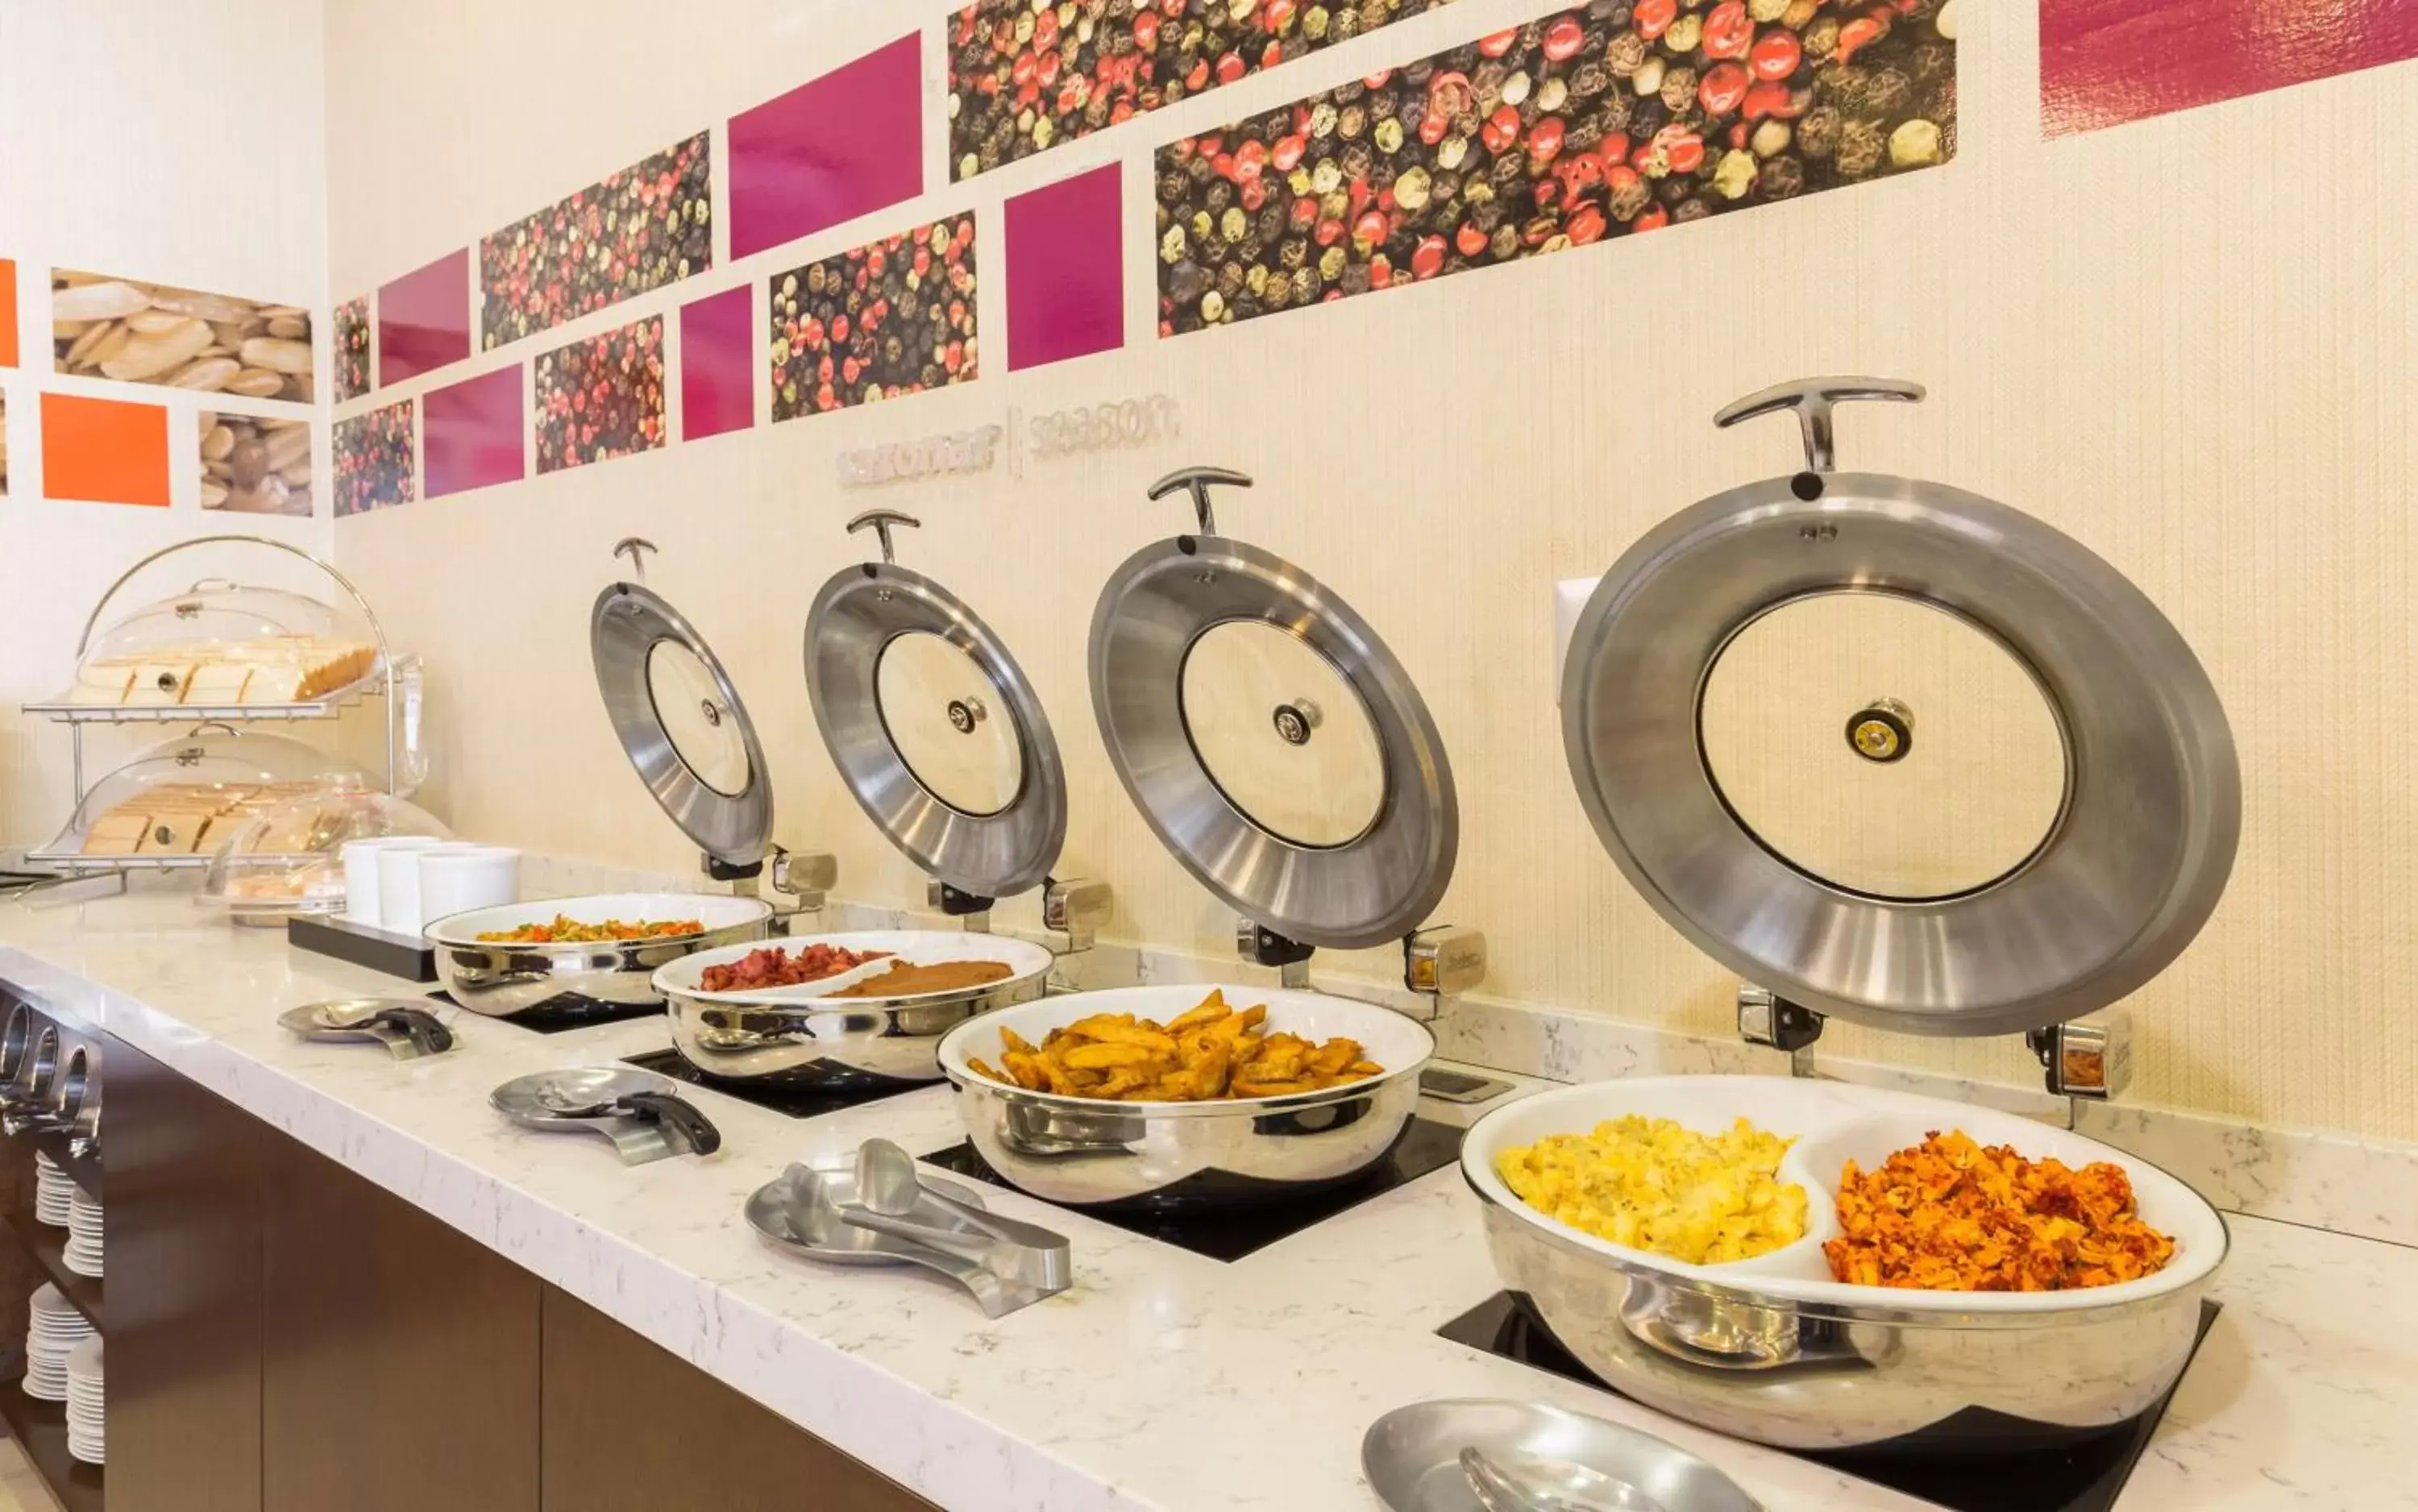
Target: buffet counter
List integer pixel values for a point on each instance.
(1162, 1379)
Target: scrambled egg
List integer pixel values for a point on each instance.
(1652, 1184)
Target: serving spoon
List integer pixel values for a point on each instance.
(1533, 1483)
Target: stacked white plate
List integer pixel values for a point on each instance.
(53, 1191)
(56, 1330)
(83, 1234)
(86, 1418)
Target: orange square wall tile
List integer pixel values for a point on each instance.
(8, 314)
(104, 450)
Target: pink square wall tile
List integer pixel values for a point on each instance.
(472, 433)
(830, 150)
(718, 363)
(424, 319)
(2105, 62)
(1065, 266)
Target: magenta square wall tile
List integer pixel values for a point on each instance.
(2105, 62)
(718, 363)
(1065, 266)
(830, 150)
(424, 319)
(472, 433)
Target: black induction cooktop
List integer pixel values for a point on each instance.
(788, 1100)
(2086, 1474)
(1179, 1216)
(565, 1012)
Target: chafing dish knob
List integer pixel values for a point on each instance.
(1882, 731)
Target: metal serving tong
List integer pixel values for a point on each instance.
(404, 1025)
(642, 1113)
(820, 1211)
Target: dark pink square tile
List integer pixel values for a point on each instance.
(1065, 266)
(718, 364)
(424, 319)
(830, 150)
(2105, 62)
(472, 433)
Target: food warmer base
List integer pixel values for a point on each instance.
(1229, 1232)
(787, 1099)
(2085, 1476)
(567, 1012)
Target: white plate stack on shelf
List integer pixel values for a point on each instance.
(56, 1330)
(86, 1419)
(53, 1192)
(83, 1234)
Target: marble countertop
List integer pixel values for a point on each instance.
(1162, 1380)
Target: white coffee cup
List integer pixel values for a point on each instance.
(457, 879)
(399, 909)
(362, 871)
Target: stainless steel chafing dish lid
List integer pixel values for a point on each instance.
(680, 719)
(933, 724)
(1269, 737)
(2032, 837)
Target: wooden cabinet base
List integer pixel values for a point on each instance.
(631, 1428)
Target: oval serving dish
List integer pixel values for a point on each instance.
(1086, 1153)
(503, 979)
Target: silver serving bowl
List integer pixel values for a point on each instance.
(1773, 1350)
(1252, 1150)
(505, 980)
(842, 1045)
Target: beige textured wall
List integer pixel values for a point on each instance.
(182, 144)
(2189, 342)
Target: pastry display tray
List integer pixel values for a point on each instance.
(2086, 1475)
(326, 707)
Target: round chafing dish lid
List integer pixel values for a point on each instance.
(934, 726)
(1897, 753)
(1271, 740)
(683, 723)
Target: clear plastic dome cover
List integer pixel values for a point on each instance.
(226, 645)
(286, 859)
(170, 801)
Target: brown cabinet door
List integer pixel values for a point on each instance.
(400, 1356)
(631, 1428)
(184, 1293)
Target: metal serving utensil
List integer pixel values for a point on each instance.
(655, 1107)
(823, 1226)
(890, 1190)
(1533, 1483)
(404, 1026)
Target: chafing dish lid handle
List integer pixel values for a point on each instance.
(1813, 400)
(1197, 482)
(882, 522)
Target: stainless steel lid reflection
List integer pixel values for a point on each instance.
(1270, 737)
(680, 719)
(933, 724)
(1898, 753)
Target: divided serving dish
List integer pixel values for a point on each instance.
(1771, 1349)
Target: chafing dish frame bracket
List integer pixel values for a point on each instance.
(1439, 963)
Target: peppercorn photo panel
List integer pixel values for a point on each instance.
(131, 332)
(634, 231)
(1024, 79)
(1589, 123)
(887, 319)
(352, 348)
(374, 464)
(600, 397)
